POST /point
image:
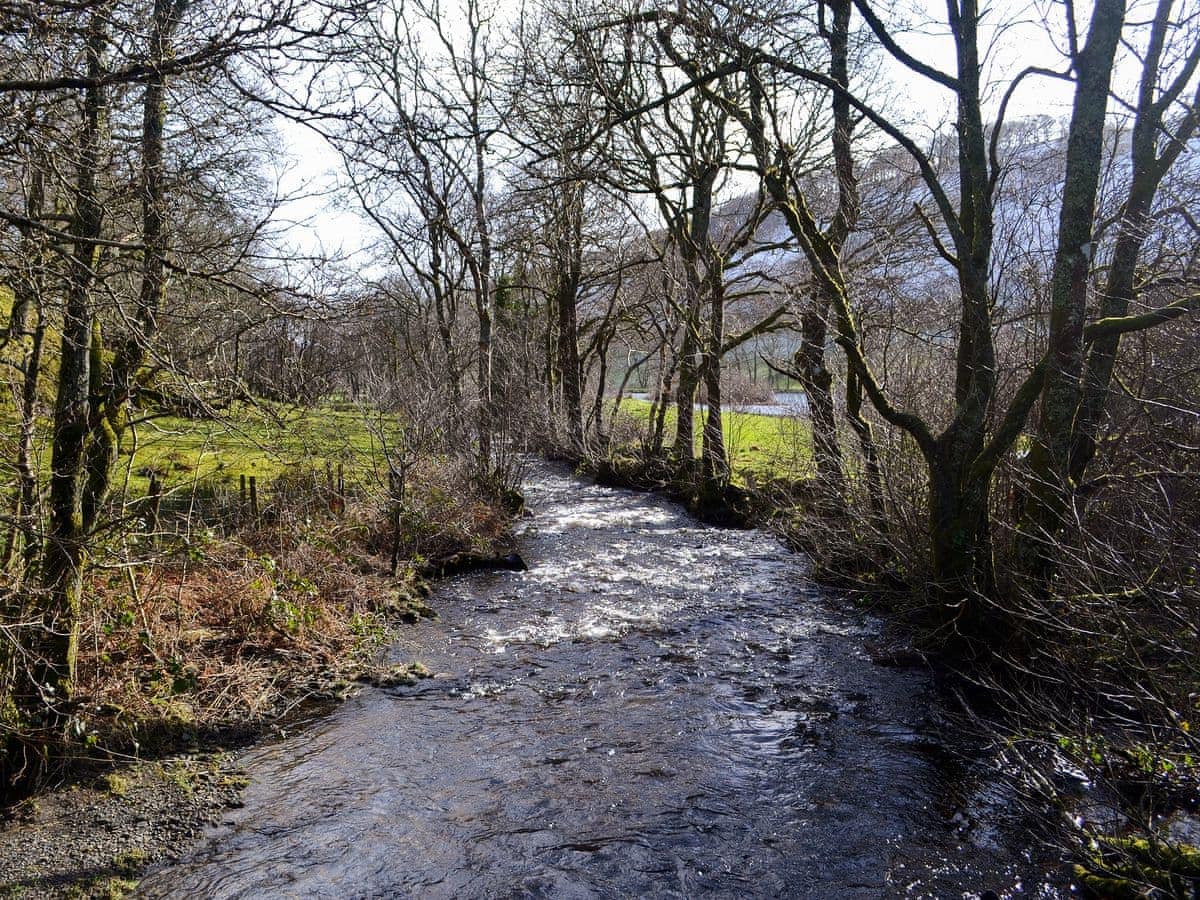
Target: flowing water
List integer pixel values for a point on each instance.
(656, 708)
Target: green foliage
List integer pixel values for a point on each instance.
(289, 616)
(1138, 868)
(113, 783)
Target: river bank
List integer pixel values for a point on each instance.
(655, 708)
(220, 639)
(95, 837)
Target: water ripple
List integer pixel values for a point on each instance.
(655, 709)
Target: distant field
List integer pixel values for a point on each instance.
(765, 446)
(264, 442)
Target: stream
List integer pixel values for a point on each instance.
(657, 708)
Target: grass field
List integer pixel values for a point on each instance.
(264, 442)
(759, 446)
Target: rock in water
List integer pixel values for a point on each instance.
(514, 563)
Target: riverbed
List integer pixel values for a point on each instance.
(656, 708)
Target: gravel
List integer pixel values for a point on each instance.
(94, 838)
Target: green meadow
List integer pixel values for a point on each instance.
(760, 447)
(264, 441)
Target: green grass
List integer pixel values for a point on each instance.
(760, 446)
(263, 442)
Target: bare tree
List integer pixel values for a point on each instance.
(423, 142)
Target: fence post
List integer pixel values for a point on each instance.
(152, 508)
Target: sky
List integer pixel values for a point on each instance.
(1018, 34)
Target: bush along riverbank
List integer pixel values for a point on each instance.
(225, 624)
(1083, 702)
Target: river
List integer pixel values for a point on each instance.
(786, 404)
(657, 708)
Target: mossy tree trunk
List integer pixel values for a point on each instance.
(568, 253)
(873, 471)
(810, 370)
(114, 387)
(714, 455)
(1050, 484)
(1151, 157)
(683, 447)
(667, 364)
(24, 340)
(52, 673)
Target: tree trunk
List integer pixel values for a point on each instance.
(869, 449)
(484, 291)
(1148, 168)
(1050, 485)
(714, 459)
(817, 383)
(683, 450)
(26, 329)
(53, 670)
(603, 341)
(565, 297)
(484, 375)
(696, 251)
(960, 542)
(658, 409)
(444, 311)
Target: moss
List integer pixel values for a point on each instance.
(1135, 868)
(235, 781)
(112, 887)
(113, 783)
(116, 888)
(180, 774)
(130, 862)
(401, 675)
(408, 604)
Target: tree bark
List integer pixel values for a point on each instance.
(816, 381)
(26, 329)
(53, 669)
(1049, 459)
(713, 455)
(566, 296)
(1148, 166)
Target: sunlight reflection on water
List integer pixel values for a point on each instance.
(655, 709)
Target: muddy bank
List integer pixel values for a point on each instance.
(237, 645)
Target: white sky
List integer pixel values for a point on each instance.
(321, 226)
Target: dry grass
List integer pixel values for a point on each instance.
(211, 631)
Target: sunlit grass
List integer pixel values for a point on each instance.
(760, 447)
(263, 442)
